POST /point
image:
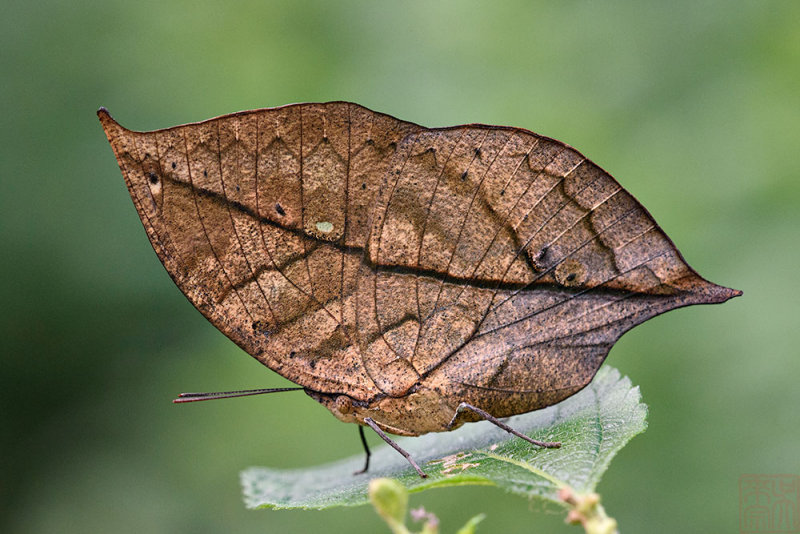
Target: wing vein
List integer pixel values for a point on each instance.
(503, 222)
(205, 231)
(466, 215)
(569, 298)
(380, 238)
(303, 208)
(422, 239)
(233, 223)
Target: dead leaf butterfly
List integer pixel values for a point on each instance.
(409, 279)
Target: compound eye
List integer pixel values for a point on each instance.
(343, 404)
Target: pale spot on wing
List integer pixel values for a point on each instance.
(324, 227)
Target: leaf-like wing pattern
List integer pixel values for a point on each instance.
(395, 271)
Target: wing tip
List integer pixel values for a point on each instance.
(731, 293)
(716, 294)
(113, 130)
(704, 292)
(106, 119)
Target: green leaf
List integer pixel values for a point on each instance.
(592, 427)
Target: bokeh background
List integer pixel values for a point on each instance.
(694, 106)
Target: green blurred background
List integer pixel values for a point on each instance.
(693, 106)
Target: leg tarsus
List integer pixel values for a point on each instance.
(374, 426)
(366, 450)
(495, 421)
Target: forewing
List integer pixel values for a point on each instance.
(261, 218)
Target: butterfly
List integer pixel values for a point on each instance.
(409, 279)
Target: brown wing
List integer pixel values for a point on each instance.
(261, 218)
(358, 254)
(506, 265)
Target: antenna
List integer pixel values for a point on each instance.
(195, 397)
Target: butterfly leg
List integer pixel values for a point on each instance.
(495, 421)
(394, 445)
(366, 450)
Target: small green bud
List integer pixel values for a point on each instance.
(390, 500)
(469, 528)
